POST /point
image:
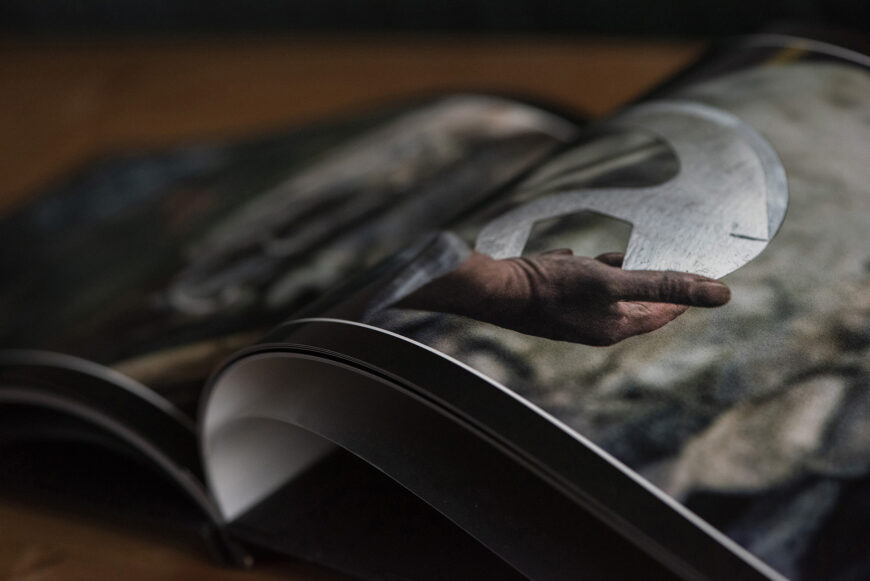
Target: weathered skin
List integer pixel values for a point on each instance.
(557, 295)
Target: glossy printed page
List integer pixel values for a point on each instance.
(754, 415)
(162, 264)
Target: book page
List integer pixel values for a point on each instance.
(163, 263)
(751, 415)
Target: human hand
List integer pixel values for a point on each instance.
(594, 301)
(560, 296)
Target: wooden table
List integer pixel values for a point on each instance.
(63, 102)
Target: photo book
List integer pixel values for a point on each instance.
(472, 336)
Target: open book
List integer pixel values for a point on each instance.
(301, 344)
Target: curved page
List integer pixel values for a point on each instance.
(162, 264)
(731, 442)
(145, 270)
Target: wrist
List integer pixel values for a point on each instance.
(472, 289)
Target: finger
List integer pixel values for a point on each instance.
(645, 317)
(670, 287)
(634, 318)
(563, 251)
(611, 258)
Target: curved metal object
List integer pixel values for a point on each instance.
(725, 204)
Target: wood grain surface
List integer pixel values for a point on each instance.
(63, 102)
(38, 543)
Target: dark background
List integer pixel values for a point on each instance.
(626, 17)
